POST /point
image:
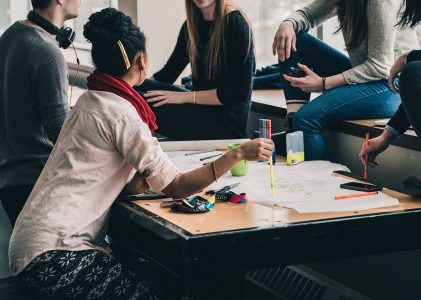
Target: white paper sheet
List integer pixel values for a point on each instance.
(187, 163)
(199, 145)
(306, 187)
(350, 204)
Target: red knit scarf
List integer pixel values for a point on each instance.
(104, 82)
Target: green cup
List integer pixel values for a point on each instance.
(242, 167)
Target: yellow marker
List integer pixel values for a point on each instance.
(294, 158)
(272, 184)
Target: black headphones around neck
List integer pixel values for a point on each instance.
(64, 36)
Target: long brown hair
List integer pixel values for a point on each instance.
(215, 54)
(352, 16)
(410, 13)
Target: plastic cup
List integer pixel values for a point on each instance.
(242, 167)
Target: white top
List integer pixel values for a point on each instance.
(385, 41)
(101, 145)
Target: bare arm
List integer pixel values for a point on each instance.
(335, 81)
(189, 183)
(208, 97)
(313, 82)
(137, 185)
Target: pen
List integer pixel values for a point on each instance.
(268, 135)
(198, 152)
(355, 195)
(168, 203)
(272, 184)
(212, 156)
(366, 157)
(223, 189)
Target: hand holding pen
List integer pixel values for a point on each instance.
(374, 148)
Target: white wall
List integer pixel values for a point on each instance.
(161, 21)
(332, 39)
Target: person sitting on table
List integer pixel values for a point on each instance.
(33, 98)
(106, 145)
(353, 87)
(409, 113)
(217, 41)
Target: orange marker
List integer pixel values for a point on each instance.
(366, 157)
(355, 195)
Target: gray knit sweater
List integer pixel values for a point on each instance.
(375, 56)
(33, 102)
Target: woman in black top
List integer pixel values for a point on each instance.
(217, 41)
(409, 113)
(409, 68)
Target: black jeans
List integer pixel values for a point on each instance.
(187, 121)
(410, 90)
(13, 199)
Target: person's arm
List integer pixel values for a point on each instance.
(304, 19)
(137, 185)
(50, 78)
(237, 85)
(207, 97)
(186, 184)
(399, 123)
(312, 15)
(313, 82)
(177, 61)
(382, 31)
(134, 141)
(381, 38)
(413, 56)
(375, 147)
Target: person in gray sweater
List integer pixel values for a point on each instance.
(354, 86)
(33, 99)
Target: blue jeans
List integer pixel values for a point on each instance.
(358, 101)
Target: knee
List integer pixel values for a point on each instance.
(304, 40)
(306, 121)
(411, 75)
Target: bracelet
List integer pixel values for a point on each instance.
(214, 172)
(324, 84)
(194, 98)
(293, 23)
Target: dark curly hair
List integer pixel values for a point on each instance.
(104, 29)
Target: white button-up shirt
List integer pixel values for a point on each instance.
(101, 145)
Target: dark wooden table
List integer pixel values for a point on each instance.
(231, 240)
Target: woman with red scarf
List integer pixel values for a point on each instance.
(106, 145)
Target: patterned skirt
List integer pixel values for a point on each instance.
(87, 274)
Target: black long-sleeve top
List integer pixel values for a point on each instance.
(400, 121)
(234, 84)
